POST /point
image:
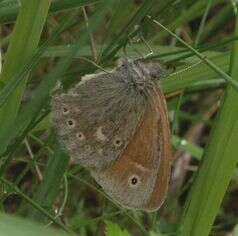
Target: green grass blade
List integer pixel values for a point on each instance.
(113, 229)
(24, 41)
(218, 22)
(52, 179)
(190, 148)
(9, 10)
(9, 89)
(194, 11)
(218, 165)
(30, 113)
(226, 77)
(10, 225)
(32, 62)
(31, 202)
(48, 190)
(199, 75)
(62, 5)
(202, 24)
(122, 37)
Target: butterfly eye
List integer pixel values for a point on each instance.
(80, 136)
(134, 181)
(65, 110)
(71, 123)
(117, 142)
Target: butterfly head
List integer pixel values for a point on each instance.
(140, 73)
(150, 70)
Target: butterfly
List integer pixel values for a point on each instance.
(116, 125)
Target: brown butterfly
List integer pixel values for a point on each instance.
(116, 125)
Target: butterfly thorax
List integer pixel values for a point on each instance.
(139, 75)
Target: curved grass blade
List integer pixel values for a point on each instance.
(122, 37)
(224, 75)
(12, 225)
(9, 10)
(49, 188)
(24, 41)
(31, 111)
(30, 201)
(218, 165)
(10, 87)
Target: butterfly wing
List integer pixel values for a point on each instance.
(139, 178)
(96, 119)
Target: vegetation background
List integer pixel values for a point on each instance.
(49, 40)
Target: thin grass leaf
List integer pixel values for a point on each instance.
(113, 229)
(30, 113)
(200, 75)
(9, 89)
(195, 10)
(190, 148)
(32, 62)
(217, 23)
(27, 119)
(35, 205)
(203, 21)
(23, 44)
(226, 77)
(9, 9)
(218, 165)
(122, 37)
(10, 225)
(52, 180)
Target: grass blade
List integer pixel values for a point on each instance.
(234, 83)
(49, 188)
(24, 41)
(218, 165)
(30, 201)
(11, 225)
(9, 89)
(9, 10)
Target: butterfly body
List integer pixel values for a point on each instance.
(116, 124)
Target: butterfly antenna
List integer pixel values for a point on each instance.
(148, 47)
(142, 38)
(185, 69)
(134, 49)
(95, 64)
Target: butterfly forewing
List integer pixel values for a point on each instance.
(96, 119)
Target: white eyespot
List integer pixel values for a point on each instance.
(65, 110)
(133, 181)
(117, 142)
(100, 135)
(70, 123)
(87, 148)
(80, 136)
